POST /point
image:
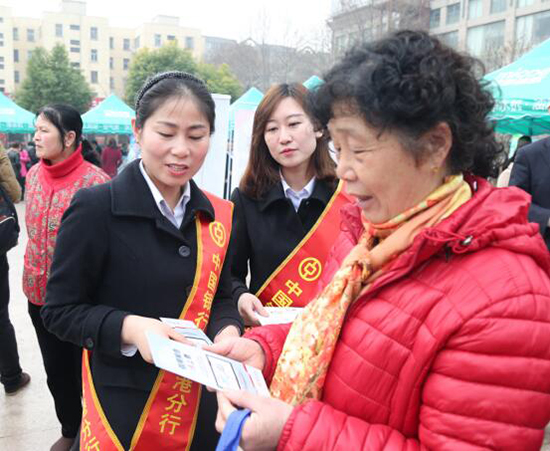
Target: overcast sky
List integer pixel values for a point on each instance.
(235, 19)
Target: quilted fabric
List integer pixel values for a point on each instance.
(449, 350)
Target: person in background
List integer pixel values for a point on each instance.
(434, 333)
(12, 376)
(32, 152)
(504, 177)
(90, 154)
(287, 206)
(51, 184)
(14, 154)
(25, 160)
(97, 146)
(111, 158)
(156, 249)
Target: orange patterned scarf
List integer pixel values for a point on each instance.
(310, 344)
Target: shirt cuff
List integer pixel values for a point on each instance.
(128, 350)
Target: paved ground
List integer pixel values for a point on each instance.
(27, 420)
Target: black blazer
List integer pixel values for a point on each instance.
(531, 172)
(115, 255)
(265, 231)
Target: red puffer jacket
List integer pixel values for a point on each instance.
(449, 349)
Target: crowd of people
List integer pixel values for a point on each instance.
(366, 201)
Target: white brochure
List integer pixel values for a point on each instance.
(207, 368)
(189, 330)
(279, 315)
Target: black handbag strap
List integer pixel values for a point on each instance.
(10, 205)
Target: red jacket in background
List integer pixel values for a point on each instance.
(111, 158)
(449, 349)
(49, 191)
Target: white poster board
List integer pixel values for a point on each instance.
(242, 136)
(211, 176)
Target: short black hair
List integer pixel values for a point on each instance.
(407, 83)
(163, 86)
(63, 117)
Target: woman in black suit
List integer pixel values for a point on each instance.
(149, 244)
(288, 186)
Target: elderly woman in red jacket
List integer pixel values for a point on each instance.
(434, 332)
(51, 185)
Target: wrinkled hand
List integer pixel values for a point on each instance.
(249, 306)
(133, 333)
(262, 430)
(241, 349)
(227, 332)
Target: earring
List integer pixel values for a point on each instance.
(435, 169)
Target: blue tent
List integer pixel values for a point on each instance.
(313, 82)
(112, 116)
(13, 118)
(248, 101)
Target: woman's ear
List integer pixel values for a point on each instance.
(318, 134)
(70, 138)
(438, 141)
(136, 131)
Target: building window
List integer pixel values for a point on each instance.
(16, 34)
(58, 30)
(1, 62)
(533, 29)
(475, 9)
(93, 55)
(453, 13)
(498, 6)
(1, 20)
(93, 76)
(75, 42)
(451, 39)
(74, 27)
(125, 63)
(524, 3)
(29, 54)
(486, 38)
(30, 35)
(158, 40)
(16, 56)
(171, 37)
(189, 43)
(93, 33)
(2, 81)
(112, 83)
(435, 17)
(111, 63)
(126, 44)
(111, 43)
(16, 76)
(75, 50)
(136, 43)
(75, 65)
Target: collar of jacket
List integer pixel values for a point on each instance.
(59, 170)
(132, 197)
(322, 192)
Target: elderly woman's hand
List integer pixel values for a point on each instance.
(263, 428)
(241, 349)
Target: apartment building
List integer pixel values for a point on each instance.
(102, 53)
(497, 31)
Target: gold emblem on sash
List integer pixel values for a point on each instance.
(310, 269)
(217, 232)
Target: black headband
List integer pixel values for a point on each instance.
(163, 76)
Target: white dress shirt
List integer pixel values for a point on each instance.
(296, 197)
(176, 216)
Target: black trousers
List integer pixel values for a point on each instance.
(10, 370)
(62, 362)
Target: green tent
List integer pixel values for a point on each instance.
(522, 93)
(13, 118)
(110, 117)
(248, 101)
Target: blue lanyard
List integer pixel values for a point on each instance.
(231, 435)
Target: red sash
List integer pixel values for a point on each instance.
(170, 414)
(294, 282)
